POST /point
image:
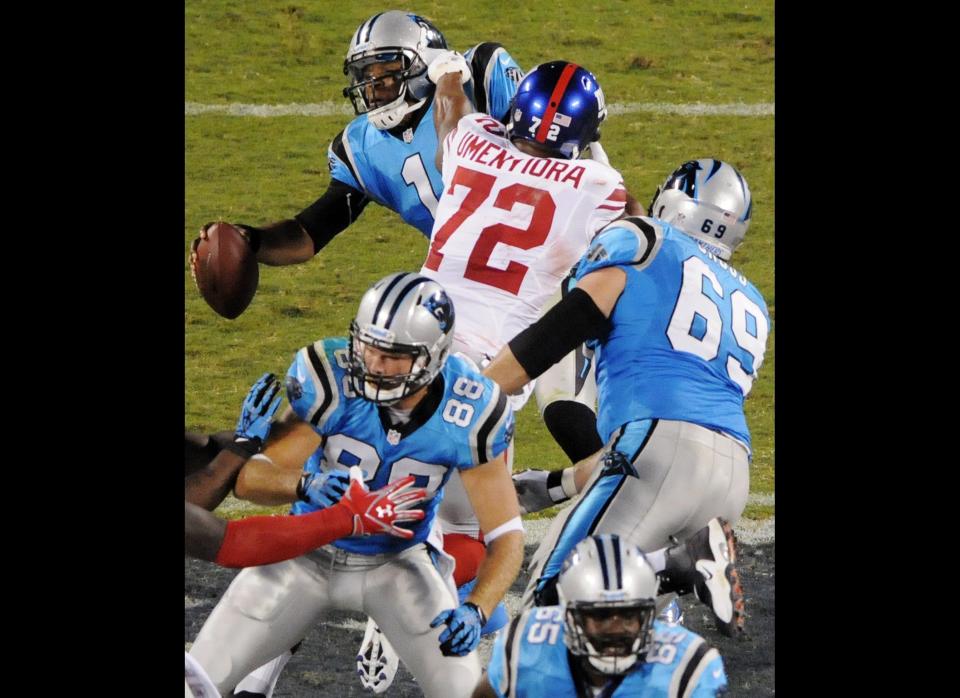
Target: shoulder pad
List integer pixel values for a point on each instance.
(634, 240)
(486, 413)
(312, 386)
(342, 161)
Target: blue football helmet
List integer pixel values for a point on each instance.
(558, 105)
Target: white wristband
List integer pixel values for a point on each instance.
(567, 482)
(514, 524)
(260, 456)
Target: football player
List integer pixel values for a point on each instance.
(261, 540)
(519, 208)
(390, 401)
(682, 336)
(386, 155)
(602, 638)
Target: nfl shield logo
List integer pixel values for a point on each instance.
(393, 437)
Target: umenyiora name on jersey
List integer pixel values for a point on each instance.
(475, 148)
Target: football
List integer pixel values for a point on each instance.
(227, 270)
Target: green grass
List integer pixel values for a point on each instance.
(257, 170)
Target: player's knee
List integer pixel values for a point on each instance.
(573, 426)
(454, 681)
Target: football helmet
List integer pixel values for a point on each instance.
(391, 37)
(560, 106)
(402, 314)
(608, 589)
(706, 199)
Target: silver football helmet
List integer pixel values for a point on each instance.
(604, 578)
(403, 314)
(709, 200)
(385, 38)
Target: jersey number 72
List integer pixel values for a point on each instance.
(480, 185)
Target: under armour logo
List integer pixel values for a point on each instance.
(383, 512)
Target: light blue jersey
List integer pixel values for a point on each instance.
(531, 659)
(688, 333)
(398, 171)
(463, 422)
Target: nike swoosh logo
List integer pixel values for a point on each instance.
(704, 569)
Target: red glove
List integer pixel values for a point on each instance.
(380, 511)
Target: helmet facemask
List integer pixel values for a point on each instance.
(385, 113)
(386, 389)
(611, 636)
(388, 37)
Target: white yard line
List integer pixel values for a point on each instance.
(331, 108)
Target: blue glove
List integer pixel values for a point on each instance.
(462, 634)
(323, 489)
(255, 421)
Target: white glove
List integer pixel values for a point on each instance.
(449, 62)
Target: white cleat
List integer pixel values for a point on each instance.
(377, 661)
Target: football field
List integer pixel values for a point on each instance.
(263, 101)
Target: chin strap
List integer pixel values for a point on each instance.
(389, 115)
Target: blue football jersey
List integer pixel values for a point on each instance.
(471, 424)
(399, 172)
(689, 331)
(531, 659)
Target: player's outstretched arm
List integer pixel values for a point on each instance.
(207, 487)
(263, 540)
(278, 244)
(271, 477)
(539, 489)
(449, 72)
(582, 314)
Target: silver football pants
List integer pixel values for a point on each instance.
(268, 609)
(677, 477)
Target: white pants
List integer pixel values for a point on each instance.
(268, 609)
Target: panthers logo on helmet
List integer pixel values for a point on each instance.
(685, 178)
(434, 38)
(441, 307)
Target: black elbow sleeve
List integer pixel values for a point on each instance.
(331, 213)
(565, 326)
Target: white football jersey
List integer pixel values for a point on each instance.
(509, 227)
